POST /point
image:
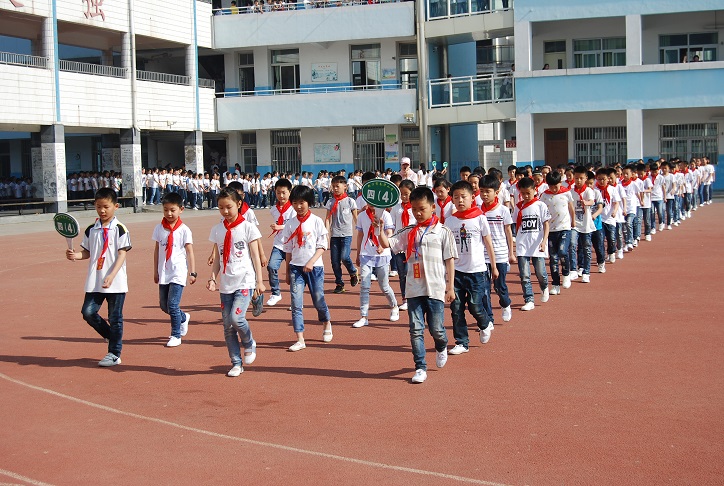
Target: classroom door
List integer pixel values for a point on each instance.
(556, 146)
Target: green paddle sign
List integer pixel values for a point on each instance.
(380, 193)
(67, 226)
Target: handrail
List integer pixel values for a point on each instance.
(446, 9)
(207, 83)
(470, 90)
(271, 7)
(23, 60)
(163, 78)
(89, 68)
(311, 90)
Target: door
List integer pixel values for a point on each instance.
(556, 146)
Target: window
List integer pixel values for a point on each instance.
(676, 48)
(554, 55)
(369, 148)
(246, 73)
(366, 66)
(600, 145)
(689, 140)
(285, 70)
(411, 145)
(604, 52)
(248, 152)
(286, 150)
(407, 65)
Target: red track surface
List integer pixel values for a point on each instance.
(616, 382)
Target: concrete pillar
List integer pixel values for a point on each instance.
(36, 161)
(194, 151)
(130, 148)
(52, 147)
(111, 152)
(233, 151)
(634, 135)
(126, 58)
(523, 46)
(524, 130)
(634, 46)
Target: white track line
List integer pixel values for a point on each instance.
(324, 455)
(21, 478)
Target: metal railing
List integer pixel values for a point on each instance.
(269, 6)
(312, 90)
(470, 90)
(445, 9)
(207, 83)
(163, 78)
(23, 60)
(89, 68)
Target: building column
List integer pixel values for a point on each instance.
(634, 46)
(194, 151)
(36, 162)
(130, 143)
(634, 135)
(52, 148)
(523, 46)
(111, 153)
(233, 150)
(525, 131)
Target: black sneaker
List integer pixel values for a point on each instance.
(339, 289)
(257, 304)
(354, 279)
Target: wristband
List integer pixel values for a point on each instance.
(193, 274)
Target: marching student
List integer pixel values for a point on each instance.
(281, 212)
(443, 202)
(584, 200)
(645, 187)
(631, 202)
(342, 219)
(611, 203)
(560, 206)
(402, 217)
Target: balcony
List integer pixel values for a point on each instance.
(471, 99)
(338, 106)
(314, 25)
(28, 92)
(23, 60)
(468, 20)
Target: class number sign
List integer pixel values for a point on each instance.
(380, 193)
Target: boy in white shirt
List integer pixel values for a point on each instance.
(560, 206)
(669, 193)
(281, 212)
(611, 202)
(584, 200)
(631, 205)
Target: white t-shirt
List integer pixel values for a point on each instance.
(314, 236)
(396, 213)
(584, 222)
(239, 274)
(644, 185)
(361, 203)
(288, 214)
(632, 196)
(469, 234)
(498, 218)
(620, 216)
(530, 234)
(613, 197)
(118, 239)
(363, 226)
(175, 269)
(657, 187)
(442, 213)
(558, 208)
(669, 186)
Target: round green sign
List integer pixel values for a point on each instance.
(66, 225)
(434, 164)
(444, 165)
(380, 193)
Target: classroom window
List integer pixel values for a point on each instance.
(246, 73)
(286, 150)
(248, 152)
(366, 65)
(600, 145)
(604, 52)
(285, 70)
(678, 48)
(689, 140)
(369, 148)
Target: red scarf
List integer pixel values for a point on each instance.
(537, 186)
(570, 183)
(604, 193)
(169, 241)
(580, 193)
(626, 183)
(412, 235)
(101, 260)
(562, 190)
(298, 232)
(337, 199)
(485, 208)
(442, 208)
(475, 197)
(469, 213)
(228, 240)
(405, 216)
(280, 219)
(521, 207)
(371, 232)
(244, 208)
(653, 178)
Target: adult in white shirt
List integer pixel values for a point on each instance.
(406, 172)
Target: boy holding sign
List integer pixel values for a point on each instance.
(105, 243)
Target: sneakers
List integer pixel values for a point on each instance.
(361, 323)
(586, 278)
(612, 258)
(485, 333)
(653, 231)
(556, 290)
(274, 299)
(619, 254)
(662, 226)
(172, 342)
(185, 324)
(354, 279)
(373, 277)
(458, 349)
(601, 268)
(110, 360)
(571, 276)
(528, 306)
(250, 354)
(420, 376)
(441, 358)
(235, 371)
(403, 306)
(298, 346)
(668, 227)
(393, 273)
(257, 305)
(580, 271)
(507, 314)
(546, 295)
(648, 238)
(339, 289)
(567, 281)
(327, 335)
(395, 314)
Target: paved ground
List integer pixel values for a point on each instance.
(616, 382)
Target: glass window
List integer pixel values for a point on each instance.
(286, 150)
(600, 145)
(605, 52)
(695, 47)
(689, 140)
(369, 148)
(285, 70)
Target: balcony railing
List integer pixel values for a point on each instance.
(313, 90)
(470, 90)
(445, 9)
(163, 78)
(270, 7)
(23, 60)
(89, 68)
(207, 83)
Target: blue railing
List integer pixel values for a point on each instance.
(470, 90)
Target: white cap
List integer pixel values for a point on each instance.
(405, 160)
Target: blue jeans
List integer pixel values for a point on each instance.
(275, 261)
(581, 249)
(419, 310)
(645, 216)
(339, 248)
(558, 246)
(233, 314)
(401, 265)
(383, 279)
(629, 228)
(156, 199)
(111, 330)
(597, 241)
(169, 299)
(473, 290)
(670, 206)
(609, 231)
(315, 281)
(499, 285)
(539, 264)
(213, 202)
(657, 207)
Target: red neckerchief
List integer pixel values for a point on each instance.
(228, 241)
(475, 197)
(105, 243)
(442, 208)
(405, 216)
(412, 235)
(244, 208)
(521, 207)
(537, 186)
(470, 213)
(298, 232)
(626, 183)
(580, 193)
(604, 192)
(512, 181)
(570, 183)
(337, 199)
(485, 208)
(562, 190)
(371, 232)
(169, 241)
(653, 178)
(280, 219)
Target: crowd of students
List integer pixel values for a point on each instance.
(432, 239)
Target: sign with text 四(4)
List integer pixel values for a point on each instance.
(66, 225)
(380, 193)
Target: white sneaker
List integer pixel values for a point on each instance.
(110, 360)
(361, 323)
(612, 258)
(653, 231)
(274, 299)
(528, 306)
(683, 217)
(580, 271)
(676, 223)
(251, 356)
(507, 314)
(458, 349)
(668, 227)
(185, 324)
(235, 371)
(395, 314)
(173, 342)
(298, 346)
(420, 376)
(571, 276)
(586, 278)
(619, 255)
(556, 290)
(688, 214)
(648, 238)
(441, 358)
(601, 268)
(393, 273)
(403, 306)
(662, 226)
(485, 333)
(625, 249)
(635, 243)
(373, 277)
(546, 295)
(567, 281)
